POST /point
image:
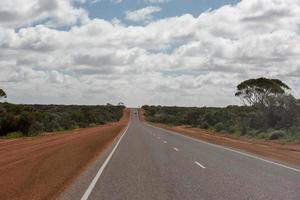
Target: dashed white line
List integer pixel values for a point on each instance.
(197, 163)
(176, 149)
(165, 142)
(158, 138)
(226, 148)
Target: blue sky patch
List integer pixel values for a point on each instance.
(108, 9)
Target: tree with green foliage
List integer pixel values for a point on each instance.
(2, 94)
(261, 91)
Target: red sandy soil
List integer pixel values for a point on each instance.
(287, 153)
(41, 167)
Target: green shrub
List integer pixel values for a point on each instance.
(24, 123)
(92, 125)
(289, 138)
(219, 126)
(36, 127)
(14, 135)
(275, 135)
(294, 130)
(204, 125)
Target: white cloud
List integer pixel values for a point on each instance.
(157, 1)
(96, 1)
(54, 13)
(142, 15)
(182, 60)
(117, 1)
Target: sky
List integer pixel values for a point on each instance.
(155, 52)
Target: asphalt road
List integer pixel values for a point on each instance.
(152, 163)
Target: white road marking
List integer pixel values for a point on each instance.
(228, 149)
(165, 142)
(197, 163)
(94, 181)
(176, 149)
(158, 138)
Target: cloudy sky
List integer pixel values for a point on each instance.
(168, 52)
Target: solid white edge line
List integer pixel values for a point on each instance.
(94, 181)
(197, 163)
(228, 149)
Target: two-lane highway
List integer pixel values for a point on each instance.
(152, 163)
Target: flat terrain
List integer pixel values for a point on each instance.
(41, 167)
(287, 153)
(152, 163)
(143, 163)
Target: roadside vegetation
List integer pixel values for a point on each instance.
(29, 120)
(269, 112)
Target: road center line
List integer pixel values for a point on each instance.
(94, 181)
(197, 163)
(225, 148)
(176, 149)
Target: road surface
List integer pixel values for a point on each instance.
(152, 163)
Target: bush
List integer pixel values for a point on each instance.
(263, 135)
(36, 127)
(294, 130)
(14, 135)
(205, 125)
(275, 135)
(219, 127)
(92, 125)
(24, 123)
